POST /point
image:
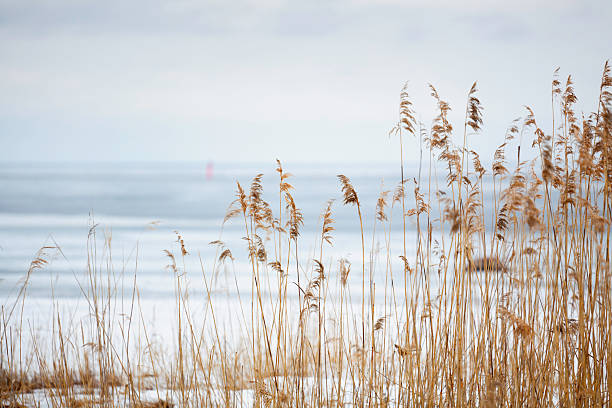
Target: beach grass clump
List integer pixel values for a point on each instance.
(500, 293)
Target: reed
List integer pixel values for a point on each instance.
(503, 300)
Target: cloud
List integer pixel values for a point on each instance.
(217, 70)
(481, 6)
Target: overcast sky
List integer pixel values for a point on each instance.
(248, 80)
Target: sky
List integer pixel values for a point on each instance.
(302, 81)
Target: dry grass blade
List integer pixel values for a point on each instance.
(328, 221)
(345, 270)
(154, 404)
(296, 220)
(350, 195)
(442, 128)
(407, 120)
(474, 109)
(276, 267)
(181, 242)
(399, 192)
(380, 323)
(172, 265)
(381, 204)
(407, 267)
(225, 254)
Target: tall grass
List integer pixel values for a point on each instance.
(504, 300)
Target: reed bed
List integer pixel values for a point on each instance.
(504, 299)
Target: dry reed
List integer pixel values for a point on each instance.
(514, 310)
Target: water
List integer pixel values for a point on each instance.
(114, 221)
(61, 201)
(138, 210)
